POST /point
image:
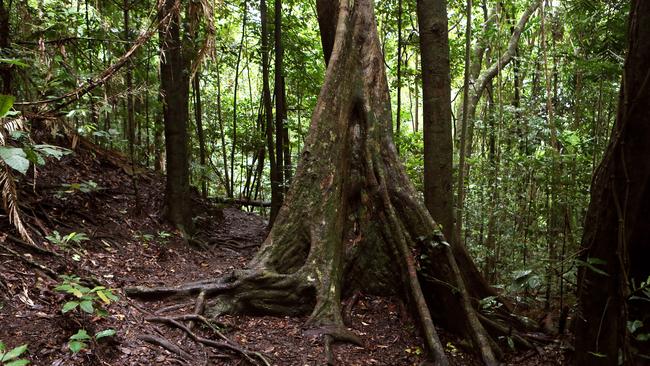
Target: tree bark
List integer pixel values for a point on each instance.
(234, 98)
(276, 194)
(436, 90)
(5, 69)
(281, 140)
(398, 117)
(198, 119)
(616, 235)
(174, 77)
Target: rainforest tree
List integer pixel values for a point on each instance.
(615, 244)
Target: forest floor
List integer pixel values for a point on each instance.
(92, 192)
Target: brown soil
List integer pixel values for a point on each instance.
(129, 246)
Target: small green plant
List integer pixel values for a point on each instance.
(87, 300)
(146, 238)
(164, 235)
(71, 241)
(79, 340)
(65, 241)
(88, 186)
(11, 357)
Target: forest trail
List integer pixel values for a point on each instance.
(90, 192)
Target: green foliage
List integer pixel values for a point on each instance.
(19, 158)
(80, 340)
(16, 158)
(65, 241)
(87, 300)
(11, 357)
(6, 102)
(525, 280)
(88, 186)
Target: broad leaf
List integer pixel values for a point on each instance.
(70, 305)
(81, 335)
(87, 306)
(104, 298)
(76, 346)
(17, 363)
(15, 158)
(6, 102)
(56, 152)
(14, 353)
(105, 333)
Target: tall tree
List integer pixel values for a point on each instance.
(436, 90)
(5, 69)
(398, 117)
(281, 141)
(471, 97)
(460, 196)
(175, 88)
(352, 219)
(198, 119)
(616, 241)
(276, 194)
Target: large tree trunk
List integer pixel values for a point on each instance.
(175, 84)
(616, 237)
(351, 220)
(436, 89)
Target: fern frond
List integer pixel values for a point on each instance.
(9, 125)
(10, 202)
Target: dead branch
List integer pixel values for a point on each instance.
(210, 288)
(29, 246)
(28, 261)
(241, 202)
(164, 343)
(251, 356)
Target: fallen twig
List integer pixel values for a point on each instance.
(229, 345)
(33, 263)
(33, 247)
(164, 343)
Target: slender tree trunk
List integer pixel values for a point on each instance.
(281, 141)
(480, 83)
(460, 196)
(222, 134)
(616, 234)
(234, 98)
(5, 28)
(175, 86)
(276, 187)
(436, 90)
(398, 117)
(198, 118)
(130, 124)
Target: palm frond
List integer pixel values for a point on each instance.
(10, 202)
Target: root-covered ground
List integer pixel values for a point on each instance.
(131, 247)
